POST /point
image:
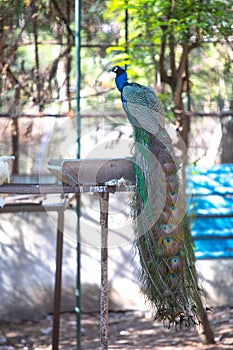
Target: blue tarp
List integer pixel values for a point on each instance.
(211, 193)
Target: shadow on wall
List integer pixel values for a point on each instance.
(27, 267)
(90, 301)
(217, 279)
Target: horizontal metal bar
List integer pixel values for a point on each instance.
(92, 171)
(32, 207)
(207, 237)
(38, 115)
(211, 257)
(206, 114)
(46, 115)
(46, 179)
(56, 189)
(210, 216)
(230, 194)
(30, 189)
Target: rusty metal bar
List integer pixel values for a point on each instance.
(60, 208)
(212, 237)
(31, 115)
(58, 281)
(211, 216)
(104, 205)
(65, 115)
(92, 171)
(32, 207)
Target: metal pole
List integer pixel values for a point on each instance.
(104, 204)
(126, 30)
(126, 26)
(58, 280)
(78, 130)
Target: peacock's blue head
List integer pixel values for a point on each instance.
(121, 77)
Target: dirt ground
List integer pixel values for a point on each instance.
(127, 330)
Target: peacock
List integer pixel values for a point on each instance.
(165, 247)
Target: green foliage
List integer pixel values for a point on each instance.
(31, 45)
(164, 35)
(210, 70)
(151, 24)
(190, 22)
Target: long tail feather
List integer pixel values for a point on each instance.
(167, 271)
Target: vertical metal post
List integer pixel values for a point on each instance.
(104, 204)
(126, 30)
(78, 131)
(78, 70)
(58, 280)
(188, 85)
(126, 26)
(68, 57)
(78, 276)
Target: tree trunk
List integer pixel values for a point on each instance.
(205, 332)
(183, 122)
(227, 140)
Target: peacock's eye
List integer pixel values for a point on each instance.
(168, 239)
(115, 69)
(175, 260)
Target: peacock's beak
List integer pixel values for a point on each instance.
(113, 69)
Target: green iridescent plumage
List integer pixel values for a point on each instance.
(167, 262)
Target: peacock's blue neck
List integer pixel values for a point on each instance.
(121, 81)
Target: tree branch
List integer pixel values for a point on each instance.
(163, 72)
(172, 55)
(65, 20)
(179, 77)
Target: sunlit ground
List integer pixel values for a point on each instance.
(127, 330)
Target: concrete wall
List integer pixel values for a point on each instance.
(27, 265)
(216, 277)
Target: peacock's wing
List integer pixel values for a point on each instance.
(142, 103)
(145, 111)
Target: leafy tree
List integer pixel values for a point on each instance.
(165, 32)
(25, 26)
